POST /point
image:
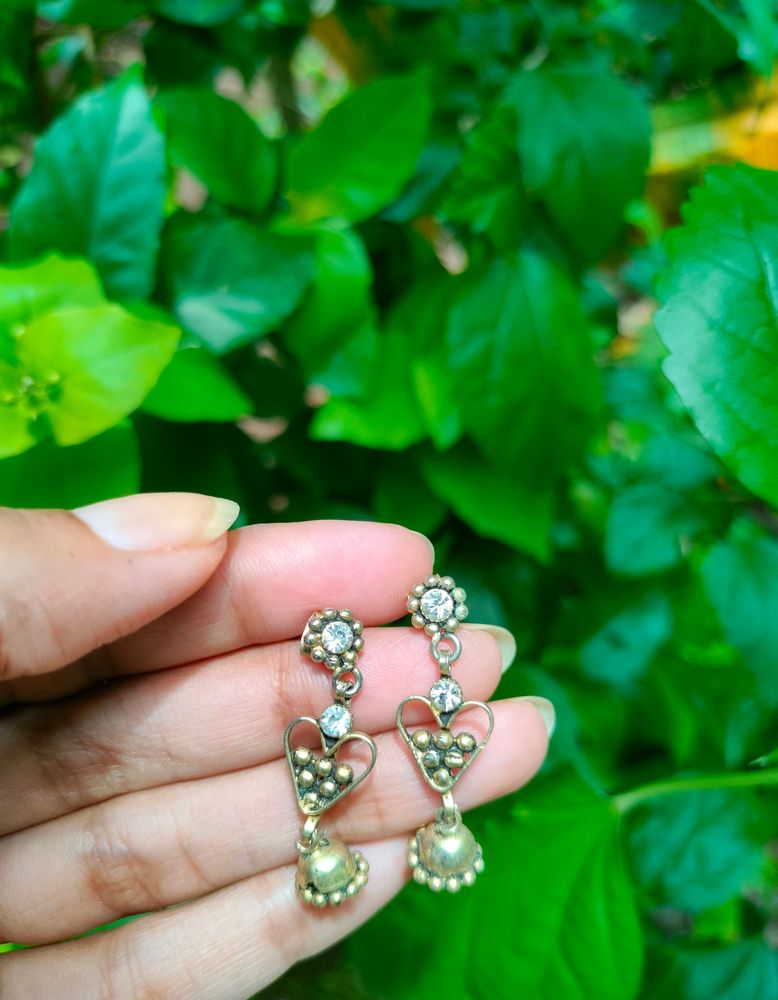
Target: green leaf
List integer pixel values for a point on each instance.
(741, 579)
(496, 502)
(519, 363)
(567, 852)
(29, 291)
(743, 971)
(486, 192)
(229, 281)
(648, 528)
(95, 13)
(584, 141)
(694, 849)
(222, 146)
(83, 370)
(403, 497)
(758, 40)
(561, 908)
(96, 188)
(719, 321)
(201, 12)
(195, 387)
(50, 476)
(361, 154)
(619, 652)
(338, 302)
(381, 412)
(70, 363)
(767, 760)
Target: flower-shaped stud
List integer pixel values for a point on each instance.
(437, 605)
(333, 638)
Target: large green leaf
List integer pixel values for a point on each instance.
(562, 921)
(338, 302)
(746, 970)
(584, 142)
(379, 409)
(741, 578)
(222, 146)
(30, 291)
(361, 154)
(496, 502)
(51, 476)
(719, 319)
(619, 652)
(71, 364)
(648, 528)
(519, 363)
(96, 188)
(229, 281)
(82, 370)
(695, 849)
(195, 387)
(485, 191)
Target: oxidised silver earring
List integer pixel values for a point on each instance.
(328, 872)
(443, 854)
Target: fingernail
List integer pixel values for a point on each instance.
(546, 709)
(502, 637)
(428, 543)
(150, 522)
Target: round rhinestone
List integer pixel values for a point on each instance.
(446, 695)
(335, 721)
(437, 605)
(336, 637)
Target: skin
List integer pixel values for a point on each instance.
(145, 694)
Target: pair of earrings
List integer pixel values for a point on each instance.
(443, 854)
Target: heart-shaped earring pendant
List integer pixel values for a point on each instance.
(320, 780)
(443, 755)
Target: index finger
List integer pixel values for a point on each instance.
(270, 579)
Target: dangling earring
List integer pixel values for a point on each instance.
(443, 854)
(328, 872)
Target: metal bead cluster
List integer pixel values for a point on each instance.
(333, 638)
(443, 754)
(318, 779)
(437, 605)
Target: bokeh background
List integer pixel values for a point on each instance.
(410, 261)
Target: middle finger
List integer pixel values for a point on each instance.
(153, 848)
(204, 719)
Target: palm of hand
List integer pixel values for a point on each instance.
(146, 697)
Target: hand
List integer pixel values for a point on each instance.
(149, 664)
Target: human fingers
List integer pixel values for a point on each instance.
(71, 581)
(225, 946)
(149, 849)
(270, 580)
(206, 718)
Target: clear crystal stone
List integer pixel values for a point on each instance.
(446, 695)
(437, 605)
(336, 637)
(335, 721)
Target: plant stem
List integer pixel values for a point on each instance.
(739, 779)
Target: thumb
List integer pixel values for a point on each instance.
(71, 581)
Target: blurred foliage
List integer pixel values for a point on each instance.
(401, 261)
